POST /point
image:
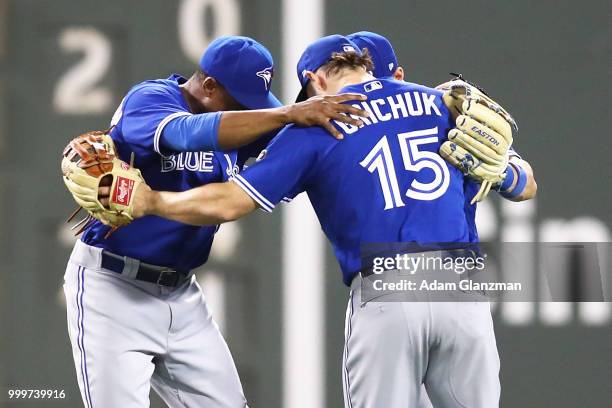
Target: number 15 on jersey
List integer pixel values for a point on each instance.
(380, 159)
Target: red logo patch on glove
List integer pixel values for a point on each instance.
(123, 191)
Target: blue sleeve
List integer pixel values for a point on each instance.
(191, 133)
(285, 168)
(144, 113)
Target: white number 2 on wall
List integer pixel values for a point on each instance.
(77, 92)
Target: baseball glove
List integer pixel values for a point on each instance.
(483, 134)
(90, 161)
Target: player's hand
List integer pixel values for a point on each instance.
(140, 199)
(321, 110)
(89, 162)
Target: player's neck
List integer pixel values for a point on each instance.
(190, 90)
(335, 84)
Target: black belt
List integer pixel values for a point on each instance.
(146, 272)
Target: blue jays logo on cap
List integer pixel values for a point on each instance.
(240, 64)
(266, 75)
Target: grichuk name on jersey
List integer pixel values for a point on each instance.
(402, 105)
(191, 161)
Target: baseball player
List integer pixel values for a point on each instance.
(136, 315)
(386, 66)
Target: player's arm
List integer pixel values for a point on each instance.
(234, 129)
(292, 160)
(242, 127)
(210, 204)
(520, 184)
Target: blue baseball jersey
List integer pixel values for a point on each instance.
(385, 182)
(138, 124)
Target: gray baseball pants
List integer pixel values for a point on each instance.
(128, 335)
(394, 348)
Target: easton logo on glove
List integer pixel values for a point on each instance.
(478, 145)
(485, 135)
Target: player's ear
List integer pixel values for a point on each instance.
(319, 84)
(399, 74)
(209, 85)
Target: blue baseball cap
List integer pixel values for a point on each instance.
(381, 51)
(245, 69)
(317, 54)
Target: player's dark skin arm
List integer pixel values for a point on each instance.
(243, 127)
(239, 127)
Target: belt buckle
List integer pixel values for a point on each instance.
(167, 277)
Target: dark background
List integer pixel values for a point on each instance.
(549, 61)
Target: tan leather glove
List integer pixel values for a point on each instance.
(483, 134)
(89, 161)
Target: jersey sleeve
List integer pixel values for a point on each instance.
(189, 133)
(513, 153)
(284, 168)
(145, 113)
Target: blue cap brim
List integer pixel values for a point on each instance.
(254, 101)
